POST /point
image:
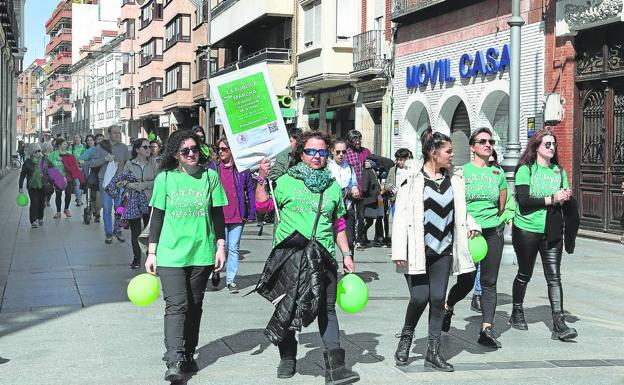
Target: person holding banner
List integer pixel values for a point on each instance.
(297, 199)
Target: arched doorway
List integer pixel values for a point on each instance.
(460, 132)
(415, 122)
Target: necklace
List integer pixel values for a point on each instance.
(438, 181)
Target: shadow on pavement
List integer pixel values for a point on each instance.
(243, 341)
(4, 360)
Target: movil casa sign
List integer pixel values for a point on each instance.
(484, 63)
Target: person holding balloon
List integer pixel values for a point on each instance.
(186, 243)
(541, 191)
(308, 188)
(430, 236)
(486, 194)
(38, 186)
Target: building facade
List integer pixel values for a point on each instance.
(585, 78)
(452, 72)
(30, 96)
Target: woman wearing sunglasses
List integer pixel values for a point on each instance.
(541, 184)
(486, 193)
(297, 198)
(37, 184)
(186, 242)
(144, 169)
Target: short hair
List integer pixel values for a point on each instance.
(32, 149)
(303, 139)
(110, 128)
(47, 147)
(473, 136)
(58, 141)
(340, 141)
(223, 139)
(294, 132)
(403, 153)
(354, 134)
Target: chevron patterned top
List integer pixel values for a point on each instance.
(438, 206)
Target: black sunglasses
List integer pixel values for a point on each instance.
(314, 151)
(550, 144)
(224, 149)
(145, 147)
(484, 141)
(186, 151)
(338, 152)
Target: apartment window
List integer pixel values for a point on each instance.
(179, 29)
(124, 2)
(344, 20)
(151, 90)
(152, 11)
(200, 65)
(128, 28)
(178, 78)
(127, 64)
(312, 24)
(201, 14)
(151, 51)
(126, 98)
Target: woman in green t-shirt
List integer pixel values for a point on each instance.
(541, 185)
(186, 243)
(297, 198)
(486, 193)
(61, 146)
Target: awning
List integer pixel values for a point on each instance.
(289, 112)
(329, 115)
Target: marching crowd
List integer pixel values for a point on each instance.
(191, 203)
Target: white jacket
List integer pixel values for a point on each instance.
(408, 230)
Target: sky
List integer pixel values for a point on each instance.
(37, 12)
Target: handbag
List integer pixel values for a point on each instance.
(56, 178)
(143, 238)
(46, 186)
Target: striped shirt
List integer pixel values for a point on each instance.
(438, 206)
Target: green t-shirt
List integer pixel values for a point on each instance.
(542, 182)
(55, 158)
(187, 237)
(483, 187)
(77, 150)
(298, 207)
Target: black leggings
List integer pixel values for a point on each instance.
(136, 227)
(489, 275)
(350, 222)
(429, 288)
(527, 244)
(57, 198)
(37, 204)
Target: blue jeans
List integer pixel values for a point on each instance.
(233, 233)
(77, 190)
(107, 205)
(477, 284)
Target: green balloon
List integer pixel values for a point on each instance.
(478, 248)
(22, 200)
(352, 293)
(143, 289)
(151, 136)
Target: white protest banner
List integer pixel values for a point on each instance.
(250, 113)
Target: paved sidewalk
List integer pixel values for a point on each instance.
(65, 318)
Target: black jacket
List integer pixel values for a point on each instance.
(291, 280)
(370, 187)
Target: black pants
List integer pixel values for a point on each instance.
(429, 288)
(183, 291)
(350, 222)
(360, 233)
(382, 225)
(527, 245)
(489, 275)
(93, 196)
(368, 222)
(136, 227)
(37, 204)
(327, 319)
(57, 198)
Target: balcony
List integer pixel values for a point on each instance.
(63, 35)
(231, 16)
(414, 10)
(63, 58)
(368, 53)
(57, 84)
(10, 24)
(62, 11)
(60, 105)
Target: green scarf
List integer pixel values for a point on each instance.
(315, 180)
(36, 179)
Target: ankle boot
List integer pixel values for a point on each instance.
(405, 343)
(561, 331)
(475, 304)
(446, 321)
(288, 358)
(434, 360)
(335, 371)
(517, 320)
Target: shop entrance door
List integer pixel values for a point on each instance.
(601, 155)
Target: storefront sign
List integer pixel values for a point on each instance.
(481, 63)
(251, 115)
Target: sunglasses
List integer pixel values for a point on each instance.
(224, 149)
(145, 147)
(186, 151)
(548, 145)
(314, 151)
(38, 151)
(484, 141)
(339, 152)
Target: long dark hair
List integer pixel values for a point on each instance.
(136, 144)
(197, 129)
(301, 142)
(92, 137)
(529, 156)
(432, 141)
(168, 160)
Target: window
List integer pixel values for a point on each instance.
(151, 51)
(179, 29)
(344, 20)
(128, 28)
(127, 62)
(201, 14)
(126, 98)
(152, 11)
(312, 24)
(178, 78)
(151, 90)
(124, 2)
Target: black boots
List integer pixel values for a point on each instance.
(190, 365)
(175, 371)
(446, 321)
(288, 358)
(561, 331)
(475, 304)
(434, 360)
(487, 339)
(405, 343)
(335, 371)
(517, 320)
